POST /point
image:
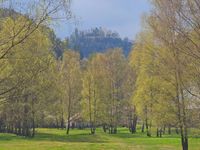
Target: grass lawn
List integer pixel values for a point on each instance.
(53, 139)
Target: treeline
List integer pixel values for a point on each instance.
(24, 78)
(25, 60)
(166, 61)
(40, 90)
(43, 91)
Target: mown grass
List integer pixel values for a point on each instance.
(53, 139)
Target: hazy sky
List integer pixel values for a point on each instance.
(123, 16)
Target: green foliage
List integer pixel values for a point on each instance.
(25, 77)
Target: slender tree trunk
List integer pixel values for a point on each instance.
(69, 107)
(69, 115)
(147, 127)
(33, 128)
(115, 130)
(112, 116)
(142, 127)
(163, 129)
(157, 132)
(19, 128)
(184, 132)
(62, 120)
(169, 130)
(133, 124)
(149, 131)
(33, 118)
(68, 124)
(25, 118)
(68, 118)
(95, 111)
(104, 128)
(133, 121)
(90, 110)
(181, 105)
(160, 132)
(57, 123)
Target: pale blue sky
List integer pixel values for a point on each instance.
(122, 16)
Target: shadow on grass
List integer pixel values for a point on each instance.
(8, 137)
(70, 138)
(128, 135)
(77, 136)
(57, 137)
(143, 135)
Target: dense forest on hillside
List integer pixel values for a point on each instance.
(97, 40)
(153, 91)
(90, 42)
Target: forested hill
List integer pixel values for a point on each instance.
(97, 40)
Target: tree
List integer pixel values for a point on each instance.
(93, 92)
(37, 13)
(175, 27)
(26, 68)
(164, 64)
(19, 20)
(129, 106)
(115, 67)
(71, 83)
(155, 92)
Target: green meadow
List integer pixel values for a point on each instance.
(54, 139)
